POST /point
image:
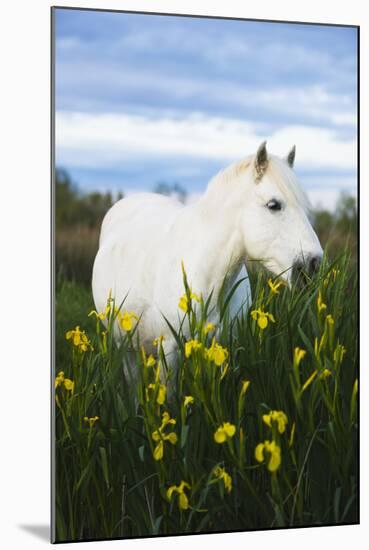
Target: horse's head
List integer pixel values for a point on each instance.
(275, 222)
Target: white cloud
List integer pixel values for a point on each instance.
(108, 140)
(349, 119)
(312, 102)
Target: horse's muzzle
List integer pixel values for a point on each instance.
(304, 269)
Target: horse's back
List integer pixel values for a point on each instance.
(138, 212)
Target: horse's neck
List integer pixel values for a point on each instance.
(219, 245)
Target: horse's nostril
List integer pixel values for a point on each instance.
(314, 264)
(304, 269)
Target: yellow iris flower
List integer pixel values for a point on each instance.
(274, 287)
(188, 400)
(159, 340)
(180, 490)
(60, 380)
(262, 317)
(217, 353)
(192, 346)
(79, 339)
(160, 437)
(220, 473)
(224, 432)
(125, 320)
(209, 327)
(161, 395)
(184, 302)
(147, 361)
(279, 417)
(69, 385)
(102, 315)
(150, 361)
(271, 453)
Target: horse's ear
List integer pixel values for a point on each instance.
(291, 157)
(261, 161)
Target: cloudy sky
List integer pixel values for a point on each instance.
(142, 99)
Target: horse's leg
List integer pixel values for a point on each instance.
(241, 298)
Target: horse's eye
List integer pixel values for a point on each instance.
(274, 205)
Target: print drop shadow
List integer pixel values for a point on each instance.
(40, 531)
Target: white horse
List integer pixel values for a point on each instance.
(253, 209)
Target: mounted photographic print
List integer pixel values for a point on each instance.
(205, 357)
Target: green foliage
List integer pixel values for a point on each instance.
(75, 251)
(120, 471)
(168, 189)
(78, 219)
(340, 227)
(74, 208)
(73, 303)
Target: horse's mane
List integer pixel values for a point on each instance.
(279, 170)
(230, 172)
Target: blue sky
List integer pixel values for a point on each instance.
(142, 99)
